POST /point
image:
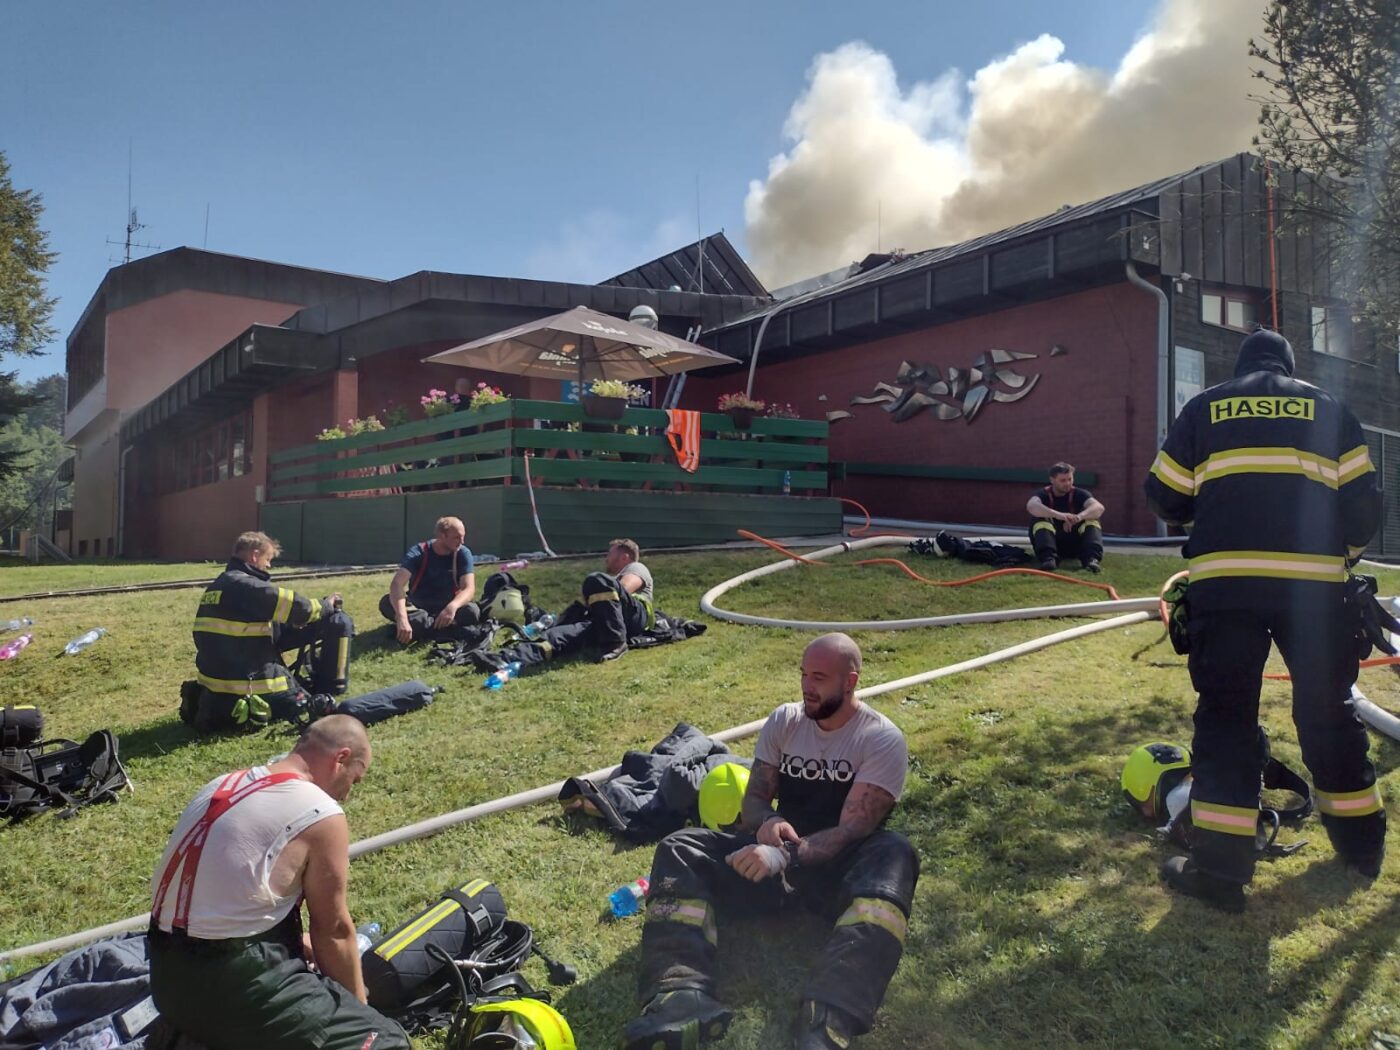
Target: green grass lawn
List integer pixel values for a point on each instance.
(1039, 920)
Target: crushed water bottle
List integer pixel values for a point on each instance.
(81, 642)
(519, 563)
(531, 631)
(366, 935)
(13, 649)
(501, 677)
(627, 900)
(15, 625)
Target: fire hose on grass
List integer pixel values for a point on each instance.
(1131, 611)
(434, 825)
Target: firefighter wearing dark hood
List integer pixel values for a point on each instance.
(835, 769)
(1273, 479)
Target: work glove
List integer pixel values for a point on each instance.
(1370, 618)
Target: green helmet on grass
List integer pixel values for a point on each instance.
(722, 795)
(512, 1024)
(1150, 774)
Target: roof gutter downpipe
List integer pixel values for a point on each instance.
(763, 328)
(1163, 357)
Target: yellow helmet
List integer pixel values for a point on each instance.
(513, 1023)
(722, 795)
(1150, 774)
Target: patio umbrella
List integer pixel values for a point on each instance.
(582, 344)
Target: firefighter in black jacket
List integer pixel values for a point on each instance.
(1275, 481)
(246, 622)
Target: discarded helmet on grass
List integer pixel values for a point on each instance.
(1149, 776)
(722, 795)
(515, 1024)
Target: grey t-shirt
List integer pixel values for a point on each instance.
(816, 768)
(642, 573)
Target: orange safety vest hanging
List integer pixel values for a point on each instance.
(684, 424)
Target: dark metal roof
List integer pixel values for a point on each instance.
(257, 360)
(710, 265)
(194, 269)
(424, 307)
(1209, 222)
(1139, 198)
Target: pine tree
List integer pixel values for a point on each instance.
(24, 308)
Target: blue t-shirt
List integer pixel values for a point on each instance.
(432, 586)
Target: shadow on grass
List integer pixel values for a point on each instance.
(157, 738)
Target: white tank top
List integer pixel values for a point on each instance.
(233, 894)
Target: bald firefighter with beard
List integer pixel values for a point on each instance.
(1275, 477)
(835, 768)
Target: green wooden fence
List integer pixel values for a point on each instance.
(488, 447)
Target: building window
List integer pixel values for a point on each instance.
(218, 453)
(1228, 310)
(82, 548)
(1331, 331)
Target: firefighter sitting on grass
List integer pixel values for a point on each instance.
(1065, 522)
(619, 602)
(244, 625)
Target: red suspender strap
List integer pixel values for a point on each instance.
(185, 857)
(422, 567)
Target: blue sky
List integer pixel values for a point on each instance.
(548, 140)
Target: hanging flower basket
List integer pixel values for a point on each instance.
(603, 407)
(742, 418)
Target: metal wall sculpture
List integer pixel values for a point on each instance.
(961, 393)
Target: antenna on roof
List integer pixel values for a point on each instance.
(132, 223)
(700, 240)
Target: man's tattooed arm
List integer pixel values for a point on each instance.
(759, 795)
(865, 807)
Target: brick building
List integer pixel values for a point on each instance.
(953, 377)
(1108, 316)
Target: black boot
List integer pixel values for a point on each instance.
(614, 654)
(677, 1021)
(1182, 875)
(821, 1026)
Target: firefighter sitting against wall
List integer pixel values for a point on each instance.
(1065, 522)
(244, 625)
(1276, 477)
(836, 768)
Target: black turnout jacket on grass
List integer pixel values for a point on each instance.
(1277, 479)
(235, 630)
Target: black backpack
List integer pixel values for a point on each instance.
(60, 774)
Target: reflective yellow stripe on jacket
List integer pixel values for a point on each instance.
(1354, 464)
(1173, 475)
(243, 686)
(284, 605)
(1275, 460)
(232, 628)
(1320, 568)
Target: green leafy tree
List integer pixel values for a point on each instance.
(34, 437)
(1332, 107)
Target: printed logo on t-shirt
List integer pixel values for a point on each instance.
(799, 767)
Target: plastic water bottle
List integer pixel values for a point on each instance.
(533, 630)
(366, 935)
(787, 483)
(519, 563)
(81, 642)
(13, 649)
(501, 677)
(15, 625)
(627, 900)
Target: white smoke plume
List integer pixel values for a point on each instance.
(951, 159)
